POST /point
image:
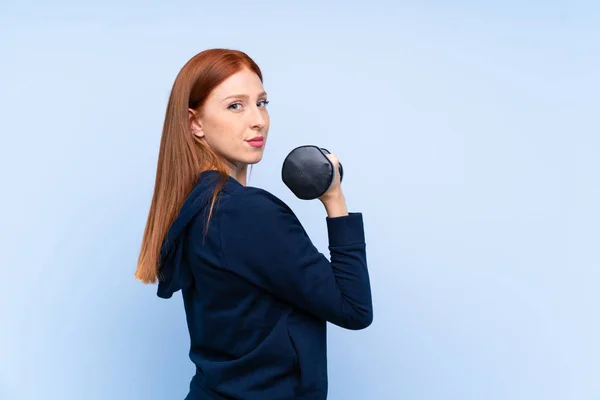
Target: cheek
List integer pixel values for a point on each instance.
(224, 130)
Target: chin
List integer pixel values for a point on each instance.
(254, 159)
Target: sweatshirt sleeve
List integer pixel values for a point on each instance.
(264, 242)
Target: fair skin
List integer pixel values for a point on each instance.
(233, 117)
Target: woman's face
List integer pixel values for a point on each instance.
(234, 120)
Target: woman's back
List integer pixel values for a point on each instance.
(257, 293)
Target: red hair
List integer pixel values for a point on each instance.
(182, 156)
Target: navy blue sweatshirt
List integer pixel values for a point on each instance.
(258, 294)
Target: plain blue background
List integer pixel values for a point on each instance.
(469, 133)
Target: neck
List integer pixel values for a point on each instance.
(239, 173)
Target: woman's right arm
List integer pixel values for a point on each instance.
(264, 243)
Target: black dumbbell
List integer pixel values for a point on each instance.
(308, 172)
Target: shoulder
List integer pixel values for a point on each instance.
(249, 196)
(248, 203)
(253, 218)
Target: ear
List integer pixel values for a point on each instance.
(195, 125)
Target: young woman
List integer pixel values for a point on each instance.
(256, 291)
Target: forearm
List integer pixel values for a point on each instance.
(335, 205)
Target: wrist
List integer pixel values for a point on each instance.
(333, 197)
(335, 205)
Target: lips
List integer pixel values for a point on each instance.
(256, 141)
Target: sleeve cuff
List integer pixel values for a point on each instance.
(346, 230)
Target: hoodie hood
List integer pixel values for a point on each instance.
(173, 274)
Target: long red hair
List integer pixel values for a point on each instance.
(182, 156)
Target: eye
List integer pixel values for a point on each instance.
(235, 106)
(263, 103)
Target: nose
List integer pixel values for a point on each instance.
(259, 119)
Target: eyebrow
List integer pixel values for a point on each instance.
(243, 96)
